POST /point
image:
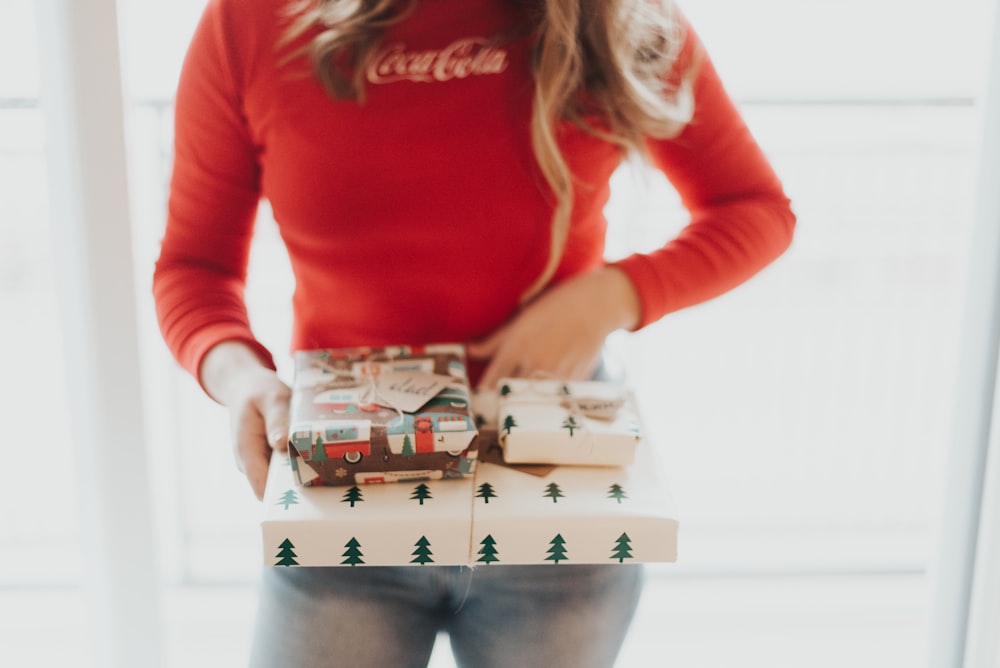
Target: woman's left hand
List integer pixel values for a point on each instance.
(560, 333)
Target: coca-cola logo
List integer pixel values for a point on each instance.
(466, 57)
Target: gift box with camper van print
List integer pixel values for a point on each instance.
(364, 415)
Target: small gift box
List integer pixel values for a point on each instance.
(391, 414)
(585, 423)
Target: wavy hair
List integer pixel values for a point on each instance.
(608, 66)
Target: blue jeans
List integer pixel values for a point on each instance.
(549, 616)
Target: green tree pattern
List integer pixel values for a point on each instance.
(486, 492)
(422, 555)
(353, 495)
(508, 424)
(488, 550)
(570, 424)
(504, 390)
(289, 498)
(353, 553)
(616, 491)
(318, 451)
(286, 554)
(553, 491)
(557, 549)
(623, 548)
(408, 450)
(421, 492)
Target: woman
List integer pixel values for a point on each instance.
(438, 170)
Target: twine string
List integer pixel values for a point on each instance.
(370, 392)
(533, 392)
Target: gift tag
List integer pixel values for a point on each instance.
(408, 391)
(599, 409)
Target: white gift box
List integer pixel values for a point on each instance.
(582, 423)
(499, 516)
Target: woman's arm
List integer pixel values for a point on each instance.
(740, 217)
(740, 220)
(200, 274)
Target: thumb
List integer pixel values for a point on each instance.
(276, 422)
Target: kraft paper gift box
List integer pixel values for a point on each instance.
(584, 423)
(381, 414)
(499, 516)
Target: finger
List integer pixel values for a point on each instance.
(256, 464)
(576, 367)
(276, 423)
(272, 424)
(485, 348)
(582, 370)
(489, 378)
(501, 366)
(252, 452)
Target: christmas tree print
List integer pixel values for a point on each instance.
(623, 549)
(486, 492)
(508, 423)
(617, 492)
(488, 550)
(353, 553)
(408, 450)
(353, 495)
(504, 390)
(570, 423)
(422, 555)
(286, 555)
(318, 451)
(553, 491)
(288, 498)
(421, 492)
(557, 550)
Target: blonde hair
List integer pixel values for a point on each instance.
(607, 66)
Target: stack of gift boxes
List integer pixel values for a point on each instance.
(538, 471)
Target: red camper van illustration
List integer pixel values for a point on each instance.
(331, 439)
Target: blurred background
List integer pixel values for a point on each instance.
(804, 420)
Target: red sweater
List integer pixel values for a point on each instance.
(420, 214)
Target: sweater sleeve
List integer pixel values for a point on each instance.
(740, 218)
(200, 275)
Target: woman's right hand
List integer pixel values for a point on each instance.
(257, 401)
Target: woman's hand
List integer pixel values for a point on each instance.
(560, 333)
(258, 407)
